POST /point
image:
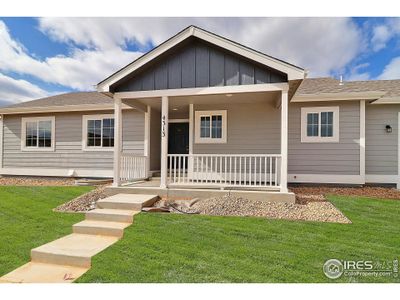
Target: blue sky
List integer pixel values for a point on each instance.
(45, 56)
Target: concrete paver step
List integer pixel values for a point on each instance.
(113, 215)
(96, 227)
(34, 272)
(74, 249)
(127, 201)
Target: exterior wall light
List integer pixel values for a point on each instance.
(389, 129)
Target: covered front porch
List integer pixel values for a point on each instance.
(228, 137)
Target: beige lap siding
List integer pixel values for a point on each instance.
(326, 158)
(380, 146)
(253, 128)
(68, 152)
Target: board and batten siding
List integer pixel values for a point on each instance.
(68, 152)
(381, 153)
(253, 128)
(198, 65)
(342, 158)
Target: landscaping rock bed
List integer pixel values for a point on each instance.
(84, 202)
(322, 211)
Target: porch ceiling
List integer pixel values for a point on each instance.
(182, 102)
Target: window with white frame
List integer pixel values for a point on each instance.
(210, 126)
(98, 132)
(38, 134)
(320, 124)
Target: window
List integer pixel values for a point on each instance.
(98, 132)
(319, 124)
(210, 126)
(38, 134)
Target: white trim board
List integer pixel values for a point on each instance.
(325, 178)
(214, 90)
(1, 140)
(398, 151)
(362, 138)
(101, 173)
(378, 178)
(347, 96)
(292, 71)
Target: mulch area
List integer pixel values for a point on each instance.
(36, 181)
(306, 194)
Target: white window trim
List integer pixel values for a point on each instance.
(85, 119)
(37, 119)
(319, 139)
(209, 113)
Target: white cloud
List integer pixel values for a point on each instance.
(81, 70)
(356, 73)
(391, 70)
(380, 36)
(322, 45)
(13, 90)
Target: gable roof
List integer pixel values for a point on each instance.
(293, 72)
(383, 91)
(63, 102)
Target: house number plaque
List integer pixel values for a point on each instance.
(163, 127)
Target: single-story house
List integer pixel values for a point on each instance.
(202, 111)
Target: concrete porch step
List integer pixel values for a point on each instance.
(111, 215)
(34, 272)
(74, 249)
(127, 201)
(96, 227)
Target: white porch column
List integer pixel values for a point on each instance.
(117, 139)
(147, 144)
(191, 134)
(164, 141)
(284, 141)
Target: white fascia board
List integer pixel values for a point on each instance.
(251, 88)
(292, 72)
(65, 108)
(338, 96)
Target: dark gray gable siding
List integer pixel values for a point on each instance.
(198, 64)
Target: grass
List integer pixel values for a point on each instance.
(27, 220)
(183, 248)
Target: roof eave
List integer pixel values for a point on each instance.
(54, 108)
(370, 95)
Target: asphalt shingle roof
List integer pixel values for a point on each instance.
(315, 86)
(78, 98)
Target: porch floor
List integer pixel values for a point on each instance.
(152, 187)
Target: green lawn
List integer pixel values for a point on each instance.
(193, 248)
(27, 220)
(184, 248)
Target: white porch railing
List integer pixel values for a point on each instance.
(225, 170)
(133, 167)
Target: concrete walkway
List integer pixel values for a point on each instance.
(66, 259)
